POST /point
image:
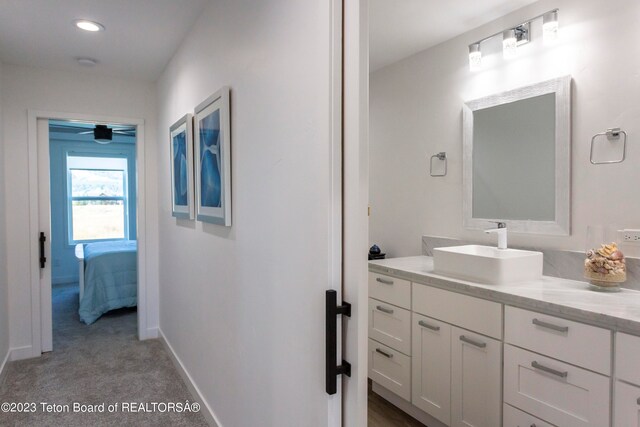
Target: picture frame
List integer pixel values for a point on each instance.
(181, 159)
(212, 142)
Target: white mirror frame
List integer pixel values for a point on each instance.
(562, 223)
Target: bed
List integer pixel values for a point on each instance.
(108, 277)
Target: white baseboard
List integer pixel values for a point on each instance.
(406, 406)
(20, 353)
(205, 409)
(3, 371)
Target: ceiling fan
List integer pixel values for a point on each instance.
(103, 134)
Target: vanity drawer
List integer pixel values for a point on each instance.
(474, 314)
(562, 394)
(627, 358)
(390, 325)
(512, 417)
(390, 368)
(390, 289)
(573, 342)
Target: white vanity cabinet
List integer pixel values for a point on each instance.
(458, 360)
(626, 411)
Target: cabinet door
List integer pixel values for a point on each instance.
(476, 378)
(627, 406)
(431, 367)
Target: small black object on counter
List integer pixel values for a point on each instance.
(376, 253)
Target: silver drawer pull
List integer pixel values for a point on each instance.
(384, 353)
(386, 282)
(428, 326)
(384, 310)
(561, 374)
(473, 342)
(550, 326)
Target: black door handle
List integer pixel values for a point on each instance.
(332, 310)
(43, 259)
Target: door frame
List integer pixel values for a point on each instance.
(355, 207)
(41, 321)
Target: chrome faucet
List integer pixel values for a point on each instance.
(501, 231)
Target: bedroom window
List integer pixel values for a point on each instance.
(97, 190)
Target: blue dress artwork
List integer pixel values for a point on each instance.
(210, 177)
(180, 169)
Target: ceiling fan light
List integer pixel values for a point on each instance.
(102, 134)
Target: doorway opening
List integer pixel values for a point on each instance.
(92, 175)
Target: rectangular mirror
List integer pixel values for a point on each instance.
(516, 159)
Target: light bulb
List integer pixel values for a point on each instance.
(91, 26)
(475, 57)
(550, 26)
(509, 44)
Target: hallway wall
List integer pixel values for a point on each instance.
(82, 92)
(4, 296)
(231, 298)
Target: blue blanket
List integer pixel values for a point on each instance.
(111, 278)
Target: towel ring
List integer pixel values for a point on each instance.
(613, 133)
(440, 156)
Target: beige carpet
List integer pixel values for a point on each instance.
(99, 363)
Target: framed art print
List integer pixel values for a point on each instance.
(182, 203)
(213, 159)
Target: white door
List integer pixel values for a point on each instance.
(431, 382)
(476, 379)
(44, 224)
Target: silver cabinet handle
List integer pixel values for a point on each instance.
(550, 326)
(561, 374)
(384, 310)
(473, 342)
(428, 326)
(386, 282)
(384, 353)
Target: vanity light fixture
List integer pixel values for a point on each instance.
(475, 57)
(509, 44)
(550, 26)
(87, 25)
(516, 36)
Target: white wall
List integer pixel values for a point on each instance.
(416, 109)
(4, 296)
(243, 306)
(62, 91)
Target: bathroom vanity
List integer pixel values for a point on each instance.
(546, 352)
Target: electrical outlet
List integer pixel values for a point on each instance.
(630, 236)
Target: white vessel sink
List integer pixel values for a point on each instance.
(486, 264)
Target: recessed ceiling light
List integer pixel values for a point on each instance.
(87, 62)
(92, 26)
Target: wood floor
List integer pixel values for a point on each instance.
(384, 414)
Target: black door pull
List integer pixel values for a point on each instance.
(43, 259)
(332, 310)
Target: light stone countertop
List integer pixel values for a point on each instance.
(574, 300)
